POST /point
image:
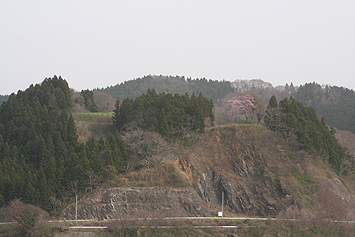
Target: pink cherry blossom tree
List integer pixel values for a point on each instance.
(242, 106)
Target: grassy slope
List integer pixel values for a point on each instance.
(93, 124)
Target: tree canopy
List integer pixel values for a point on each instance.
(335, 104)
(292, 118)
(212, 89)
(166, 114)
(40, 158)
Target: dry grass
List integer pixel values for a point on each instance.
(165, 175)
(92, 124)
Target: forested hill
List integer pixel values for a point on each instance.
(335, 104)
(41, 161)
(212, 89)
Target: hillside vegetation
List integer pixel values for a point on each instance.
(41, 160)
(212, 89)
(284, 164)
(164, 113)
(335, 104)
(301, 126)
(43, 163)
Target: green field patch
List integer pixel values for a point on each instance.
(93, 118)
(89, 122)
(108, 114)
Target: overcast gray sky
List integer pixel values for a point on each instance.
(99, 43)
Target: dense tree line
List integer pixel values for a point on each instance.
(298, 122)
(212, 89)
(41, 161)
(335, 104)
(166, 114)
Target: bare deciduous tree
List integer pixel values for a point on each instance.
(110, 171)
(346, 166)
(93, 180)
(151, 149)
(274, 119)
(56, 203)
(74, 187)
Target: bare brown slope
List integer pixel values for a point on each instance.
(259, 173)
(246, 164)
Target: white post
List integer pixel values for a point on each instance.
(76, 209)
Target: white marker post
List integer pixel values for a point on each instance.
(220, 213)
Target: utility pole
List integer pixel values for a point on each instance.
(222, 203)
(76, 209)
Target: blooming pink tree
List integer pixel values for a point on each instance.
(242, 106)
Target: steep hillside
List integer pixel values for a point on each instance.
(347, 140)
(258, 172)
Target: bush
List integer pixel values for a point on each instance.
(26, 215)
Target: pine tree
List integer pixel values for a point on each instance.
(272, 102)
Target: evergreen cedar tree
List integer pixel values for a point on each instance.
(166, 114)
(312, 134)
(89, 103)
(40, 158)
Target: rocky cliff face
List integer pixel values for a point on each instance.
(235, 163)
(108, 203)
(252, 195)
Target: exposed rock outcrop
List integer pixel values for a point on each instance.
(250, 195)
(108, 203)
(235, 161)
